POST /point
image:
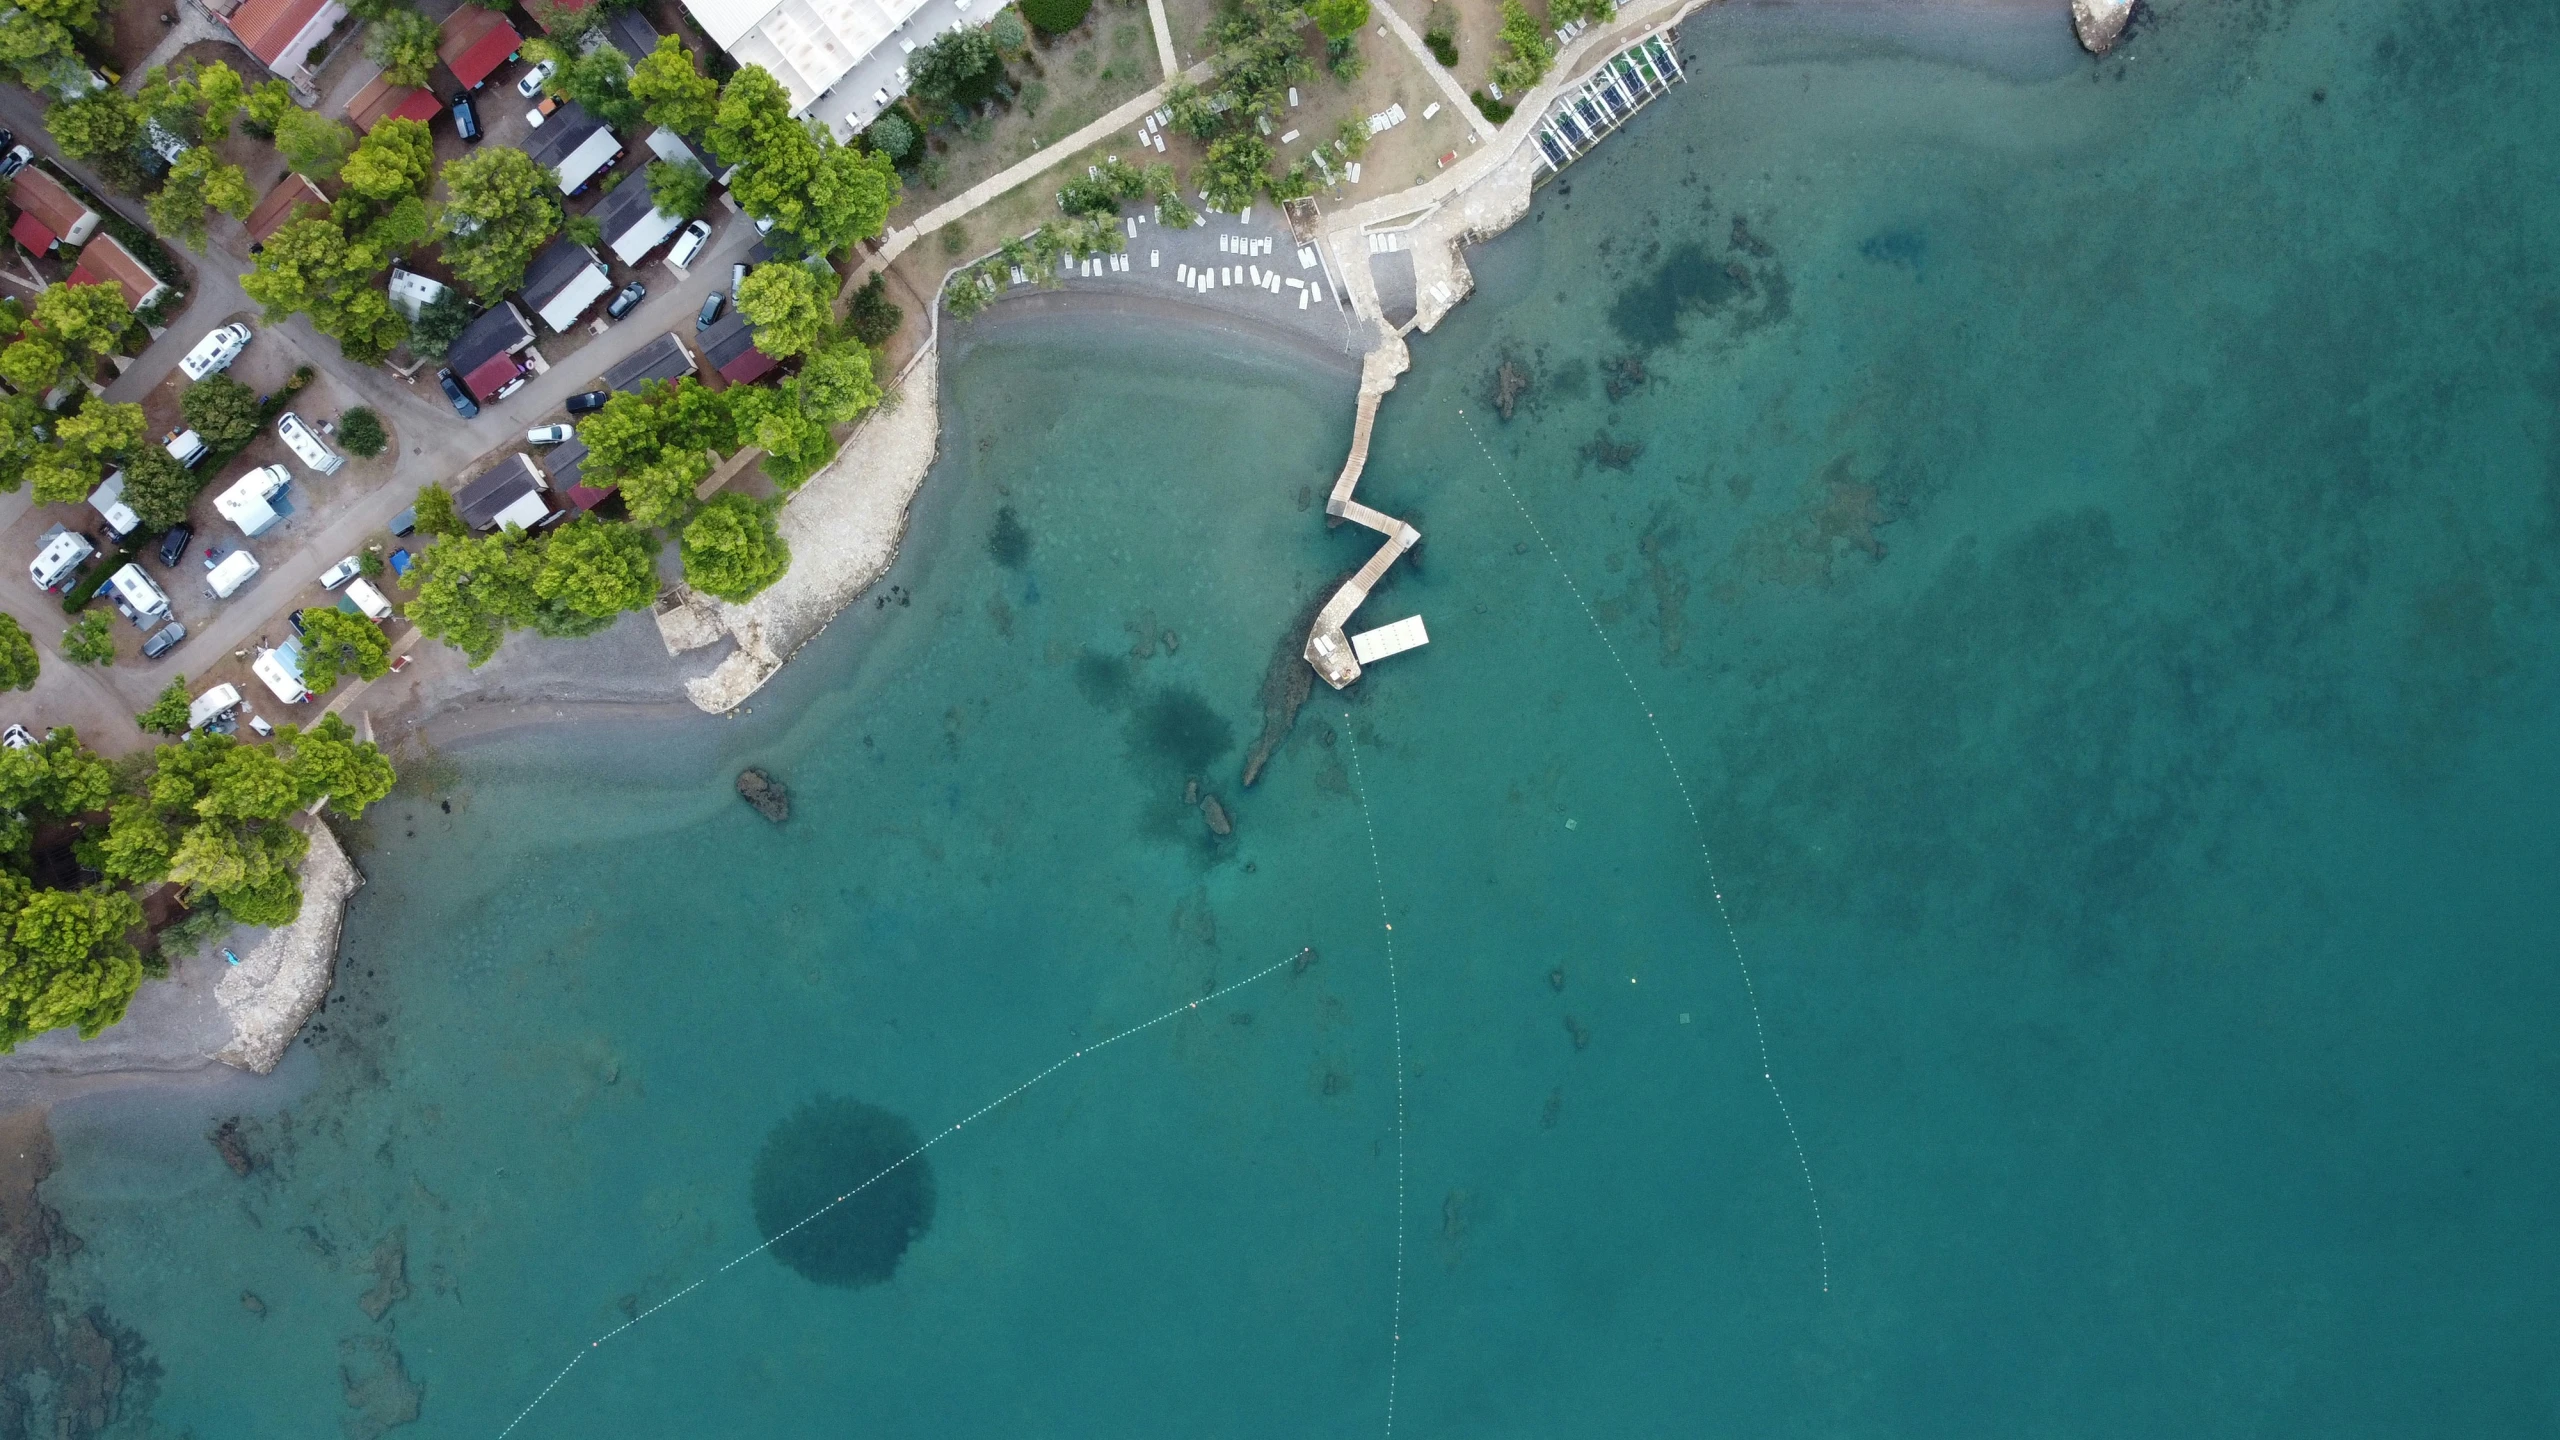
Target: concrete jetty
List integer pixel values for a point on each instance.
(1328, 647)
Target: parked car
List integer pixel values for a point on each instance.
(16, 160)
(710, 310)
(737, 277)
(173, 546)
(17, 738)
(294, 620)
(466, 121)
(8, 137)
(550, 434)
(632, 294)
(463, 404)
(164, 640)
(340, 573)
(587, 402)
(531, 84)
(689, 244)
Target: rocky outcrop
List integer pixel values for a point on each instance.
(2101, 23)
(764, 793)
(284, 977)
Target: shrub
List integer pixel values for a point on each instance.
(440, 322)
(90, 640)
(360, 430)
(222, 410)
(1056, 17)
(875, 316)
(1007, 31)
(892, 136)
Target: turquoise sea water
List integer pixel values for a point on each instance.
(2086, 541)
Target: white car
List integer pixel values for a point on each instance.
(880, 98)
(531, 84)
(340, 573)
(15, 161)
(17, 738)
(690, 243)
(550, 434)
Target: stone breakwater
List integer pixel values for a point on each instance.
(2100, 23)
(284, 977)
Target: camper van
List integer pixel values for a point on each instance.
(237, 569)
(305, 444)
(213, 706)
(282, 670)
(108, 501)
(249, 503)
(139, 599)
(215, 351)
(369, 600)
(59, 557)
(186, 447)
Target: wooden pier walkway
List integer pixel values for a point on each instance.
(1328, 647)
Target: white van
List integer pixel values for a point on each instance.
(282, 670)
(186, 447)
(137, 596)
(60, 554)
(305, 444)
(689, 244)
(215, 352)
(236, 570)
(368, 599)
(108, 501)
(212, 705)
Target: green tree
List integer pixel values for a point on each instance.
(473, 590)
(500, 210)
(393, 164)
(66, 962)
(222, 410)
(312, 266)
(436, 514)
(197, 185)
(55, 779)
(1561, 11)
(268, 102)
(1340, 19)
(679, 190)
(329, 762)
(892, 135)
(960, 67)
(90, 640)
(1007, 31)
(360, 430)
(1235, 170)
(1193, 115)
(223, 95)
(159, 489)
(1055, 17)
(404, 44)
(597, 569)
(731, 548)
(334, 641)
(795, 174)
(599, 80)
(34, 48)
(791, 309)
(21, 441)
(168, 715)
(103, 129)
(1527, 50)
(440, 322)
(671, 91)
(19, 664)
(657, 447)
(771, 418)
(312, 144)
(74, 329)
(875, 317)
(836, 385)
(84, 443)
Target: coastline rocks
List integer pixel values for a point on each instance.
(2101, 23)
(283, 979)
(390, 1275)
(764, 793)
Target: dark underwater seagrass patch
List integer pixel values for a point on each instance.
(830, 1147)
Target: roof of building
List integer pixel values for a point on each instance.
(29, 231)
(476, 43)
(584, 163)
(291, 193)
(669, 146)
(664, 358)
(561, 261)
(584, 288)
(729, 347)
(566, 130)
(381, 100)
(38, 194)
(486, 496)
(563, 461)
(808, 45)
(268, 26)
(631, 33)
(633, 223)
(492, 375)
(104, 259)
(499, 330)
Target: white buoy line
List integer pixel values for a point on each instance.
(1395, 1008)
(1698, 830)
(894, 1166)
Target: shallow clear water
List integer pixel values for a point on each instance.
(2092, 574)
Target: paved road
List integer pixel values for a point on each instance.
(438, 443)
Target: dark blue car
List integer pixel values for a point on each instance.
(463, 404)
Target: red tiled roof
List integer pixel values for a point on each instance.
(588, 497)
(276, 209)
(40, 195)
(381, 100)
(750, 365)
(476, 43)
(267, 26)
(31, 232)
(492, 376)
(102, 260)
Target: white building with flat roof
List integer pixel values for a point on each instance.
(855, 49)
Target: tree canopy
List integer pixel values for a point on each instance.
(599, 80)
(500, 209)
(103, 129)
(222, 410)
(83, 445)
(313, 266)
(656, 445)
(404, 44)
(73, 330)
(168, 715)
(159, 489)
(732, 549)
(90, 639)
(1340, 19)
(19, 663)
(197, 185)
(795, 174)
(961, 66)
(334, 641)
(311, 143)
(671, 91)
(791, 308)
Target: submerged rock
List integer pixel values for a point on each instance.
(250, 1302)
(1216, 815)
(764, 793)
(377, 1387)
(2101, 23)
(234, 1150)
(390, 1275)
